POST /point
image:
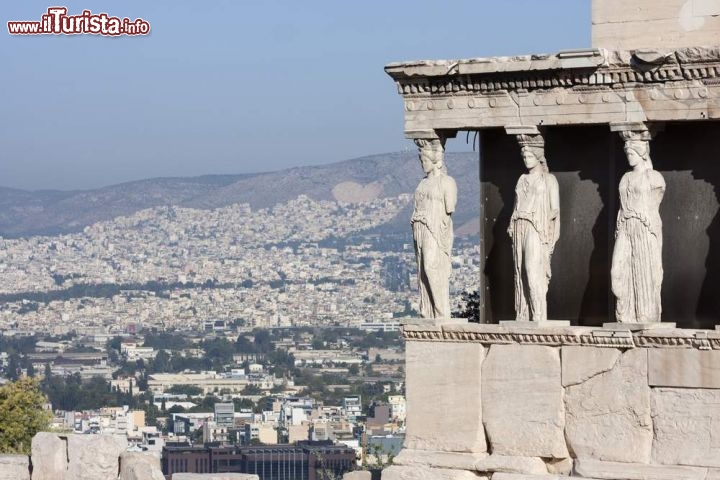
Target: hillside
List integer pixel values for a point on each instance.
(24, 213)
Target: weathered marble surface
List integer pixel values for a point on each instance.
(636, 471)
(560, 401)
(687, 425)
(436, 373)
(424, 473)
(49, 456)
(582, 363)
(94, 457)
(358, 475)
(608, 415)
(479, 462)
(654, 24)
(688, 368)
(140, 466)
(14, 467)
(522, 401)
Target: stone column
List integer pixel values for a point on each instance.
(636, 271)
(534, 230)
(435, 201)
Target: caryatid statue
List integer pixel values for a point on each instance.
(534, 229)
(435, 199)
(637, 270)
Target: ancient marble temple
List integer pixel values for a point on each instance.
(600, 179)
(653, 67)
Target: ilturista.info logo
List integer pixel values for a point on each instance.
(57, 22)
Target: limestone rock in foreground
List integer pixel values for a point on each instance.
(358, 475)
(608, 415)
(94, 457)
(522, 400)
(521, 476)
(424, 473)
(14, 467)
(636, 471)
(214, 476)
(49, 457)
(140, 466)
(687, 425)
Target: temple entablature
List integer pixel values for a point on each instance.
(574, 87)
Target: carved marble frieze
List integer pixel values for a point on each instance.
(490, 334)
(575, 87)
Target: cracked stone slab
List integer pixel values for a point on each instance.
(687, 426)
(523, 407)
(581, 363)
(636, 471)
(608, 415)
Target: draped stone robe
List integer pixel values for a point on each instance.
(637, 271)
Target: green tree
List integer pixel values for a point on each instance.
(470, 307)
(21, 415)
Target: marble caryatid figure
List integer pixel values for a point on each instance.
(637, 271)
(435, 199)
(534, 229)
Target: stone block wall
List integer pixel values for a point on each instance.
(81, 457)
(631, 24)
(509, 403)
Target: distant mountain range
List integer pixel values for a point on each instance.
(51, 212)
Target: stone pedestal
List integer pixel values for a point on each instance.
(514, 403)
(635, 327)
(543, 324)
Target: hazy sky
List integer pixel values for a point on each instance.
(238, 86)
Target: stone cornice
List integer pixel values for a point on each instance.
(431, 331)
(590, 68)
(569, 88)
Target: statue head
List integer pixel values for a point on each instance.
(431, 154)
(637, 148)
(532, 149)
